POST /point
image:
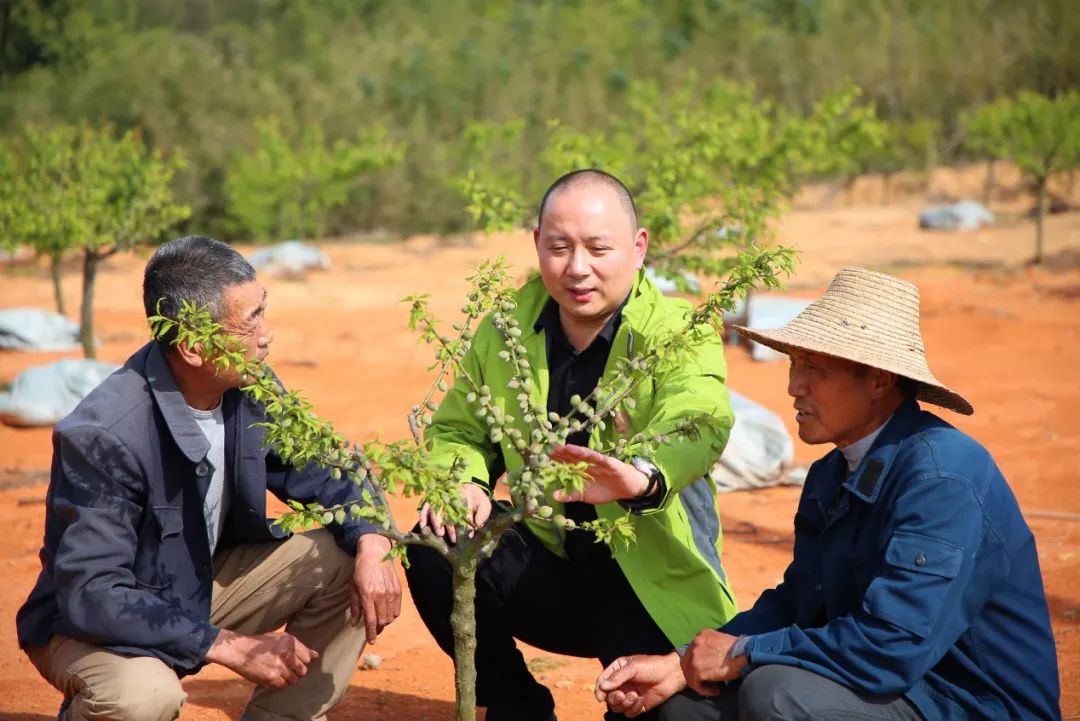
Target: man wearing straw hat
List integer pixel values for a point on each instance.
(914, 592)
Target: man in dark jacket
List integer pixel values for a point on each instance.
(914, 592)
(158, 557)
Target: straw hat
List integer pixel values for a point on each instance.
(870, 318)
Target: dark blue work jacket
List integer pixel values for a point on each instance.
(915, 575)
(126, 561)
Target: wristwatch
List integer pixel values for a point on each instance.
(651, 472)
(653, 494)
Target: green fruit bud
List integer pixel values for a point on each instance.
(339, 516)
(327, 518)
(544, 511)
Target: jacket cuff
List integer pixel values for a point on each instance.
(205, 634)
(766, 647)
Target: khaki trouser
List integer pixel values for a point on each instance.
(302, 582)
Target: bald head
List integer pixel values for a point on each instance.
(591, 177)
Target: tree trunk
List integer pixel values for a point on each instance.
(1040, 213)
(55, 260)
(86, 330)
(463, 621)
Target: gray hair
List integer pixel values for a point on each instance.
(194, 268)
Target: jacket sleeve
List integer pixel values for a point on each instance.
(97, 500)
(778, 607)
(455, 430)
(313, 484)
(696, 386)
(922, 600)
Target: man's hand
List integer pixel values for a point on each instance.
(478, 503)
(612, 480)
(708, 661)
(375, 593)
(632, 685)
(275, 660)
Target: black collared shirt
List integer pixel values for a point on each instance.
(570, 371)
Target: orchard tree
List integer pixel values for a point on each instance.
(40, 205)
(1039, 134)
(405, 467)
(81, 188)
(710, 165)
(289, 188)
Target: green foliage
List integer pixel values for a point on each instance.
(709, 163)
(904, 145)
(39, 205)
(78, 187)
(197, 74)
(1040, 134)
(287, 189)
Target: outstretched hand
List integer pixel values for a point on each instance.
(609, 478)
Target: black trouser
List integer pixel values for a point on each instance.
(579, 607)
(786, 693)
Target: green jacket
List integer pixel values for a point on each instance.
(674, 564)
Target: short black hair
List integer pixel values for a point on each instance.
(194, 268)
(592, 176)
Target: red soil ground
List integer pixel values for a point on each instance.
(1005, 335)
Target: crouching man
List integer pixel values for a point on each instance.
(914, 592)
(158, 557)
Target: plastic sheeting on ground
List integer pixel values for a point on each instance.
(43, 395)
(965, 215)
(33, 329)
(289, 258)
(768, 312)
(759, 451)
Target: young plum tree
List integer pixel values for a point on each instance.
(406, 468)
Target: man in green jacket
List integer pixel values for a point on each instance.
(591, 306)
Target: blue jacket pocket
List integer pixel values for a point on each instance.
(912, 587)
